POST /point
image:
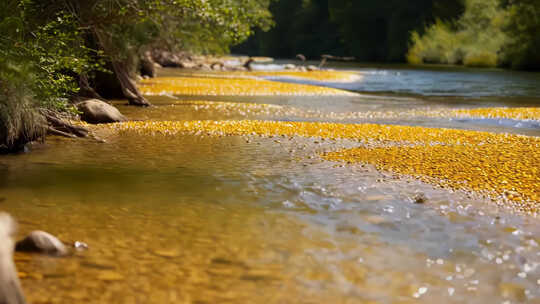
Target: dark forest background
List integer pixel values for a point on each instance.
(470, 32)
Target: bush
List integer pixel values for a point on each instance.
(476, 39)
(523, 28)
(481, 59)
(20, 122)
(438, 45)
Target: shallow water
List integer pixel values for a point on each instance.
(443, 81)
(247, 219)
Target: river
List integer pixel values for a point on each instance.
(193, 218)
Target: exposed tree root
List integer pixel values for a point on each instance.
(62, 127)
(53, 131)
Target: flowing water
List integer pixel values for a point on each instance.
(248, 219)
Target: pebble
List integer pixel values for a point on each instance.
(80, 245)
(419, 198)
(167, 253)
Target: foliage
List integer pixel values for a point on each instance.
(224, 23)
(489, 33)
(72, 37)
(301, 27)
(475, 39)
(523, 28)
(370, 30)
(19, 119)
(379, 30)
(52, 43)
(50, 50)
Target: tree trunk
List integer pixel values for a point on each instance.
(148, 67)
(86, 91)
(121, 70)
(129, 88)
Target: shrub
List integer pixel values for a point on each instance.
(476, 39)
(20, 121)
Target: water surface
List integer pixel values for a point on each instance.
(245, 219)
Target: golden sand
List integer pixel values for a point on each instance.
(201, 86)
(499, 164)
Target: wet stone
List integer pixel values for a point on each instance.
(42, 242)
(419, 198)
(80, 245)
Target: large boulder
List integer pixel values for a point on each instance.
(42, 242)
(96, 111)
(10, 287)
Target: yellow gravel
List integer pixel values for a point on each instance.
(523, 113)
(510, 113)
(501, 165)
(319, 75)
(204, 86)
(495, 113)
(509, 170)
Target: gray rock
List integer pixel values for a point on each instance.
(96, 111)
(312, 68)
(419, 198)
(188, 65)
(42, 242)
(10, 287)
(289, 66)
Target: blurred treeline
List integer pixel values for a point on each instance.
(469, 32)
